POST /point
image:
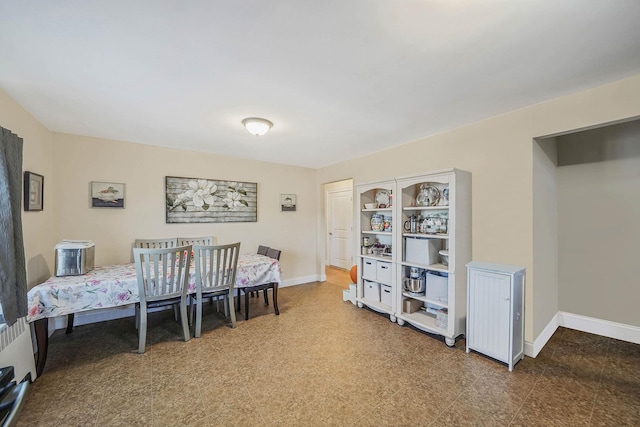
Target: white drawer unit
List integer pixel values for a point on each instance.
(495, 311)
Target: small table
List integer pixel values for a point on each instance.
(114, 286)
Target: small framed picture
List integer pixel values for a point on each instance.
(288, 202)
(33, 191)
(107, 195)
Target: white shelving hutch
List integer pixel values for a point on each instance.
(376, 271)
(442, 312)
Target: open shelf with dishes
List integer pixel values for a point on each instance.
(376, 255)
(434, 213)
(415, 240)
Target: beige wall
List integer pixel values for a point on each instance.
(69, 163)
(39, 229)
(545, 231)
(499, 154)
(80, 160)
(598, 211)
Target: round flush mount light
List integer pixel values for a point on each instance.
(257, 126)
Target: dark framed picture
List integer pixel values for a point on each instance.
(33, 191)
(107, 195)
(288, 202)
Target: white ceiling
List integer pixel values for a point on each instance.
(338, 78)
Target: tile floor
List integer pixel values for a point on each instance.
(324, 362)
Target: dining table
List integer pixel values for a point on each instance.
(115, 286)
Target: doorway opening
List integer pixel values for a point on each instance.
(586, 200)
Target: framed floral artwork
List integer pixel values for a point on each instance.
(107, 195)
(33, 191)
(193, 200)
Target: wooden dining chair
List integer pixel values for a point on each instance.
(193, 241)
(275, 254)
(156, 243)
(216, 268)
(262, 250)
(271, 253)
(163, 279)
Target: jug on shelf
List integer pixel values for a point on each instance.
(411, 225)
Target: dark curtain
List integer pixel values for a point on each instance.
(13, 274)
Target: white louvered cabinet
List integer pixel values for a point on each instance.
(495, 311)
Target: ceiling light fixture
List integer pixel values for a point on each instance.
(257, 126)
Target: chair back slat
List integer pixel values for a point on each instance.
(162, 272)
(216, 266)
(262, 250)
(274, 253)
(156, 243)
(204, 241)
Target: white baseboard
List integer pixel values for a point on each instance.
(532, 349)
(605, 328)
(92, 316)
(591, 325)
(303, 280)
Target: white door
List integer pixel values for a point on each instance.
(339, 227)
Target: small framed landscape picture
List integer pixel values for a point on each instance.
(107, 195)
(288, 202)
(33, 191)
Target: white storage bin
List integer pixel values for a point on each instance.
(383, 272)
(385, 294)
(372, 291)
(437, 287)
(369, 267)
(421, 251)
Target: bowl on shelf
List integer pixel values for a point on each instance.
(444, 257)
(378, 251)
(370, 205)
(415, 286)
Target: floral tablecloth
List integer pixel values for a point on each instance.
(117, 285)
